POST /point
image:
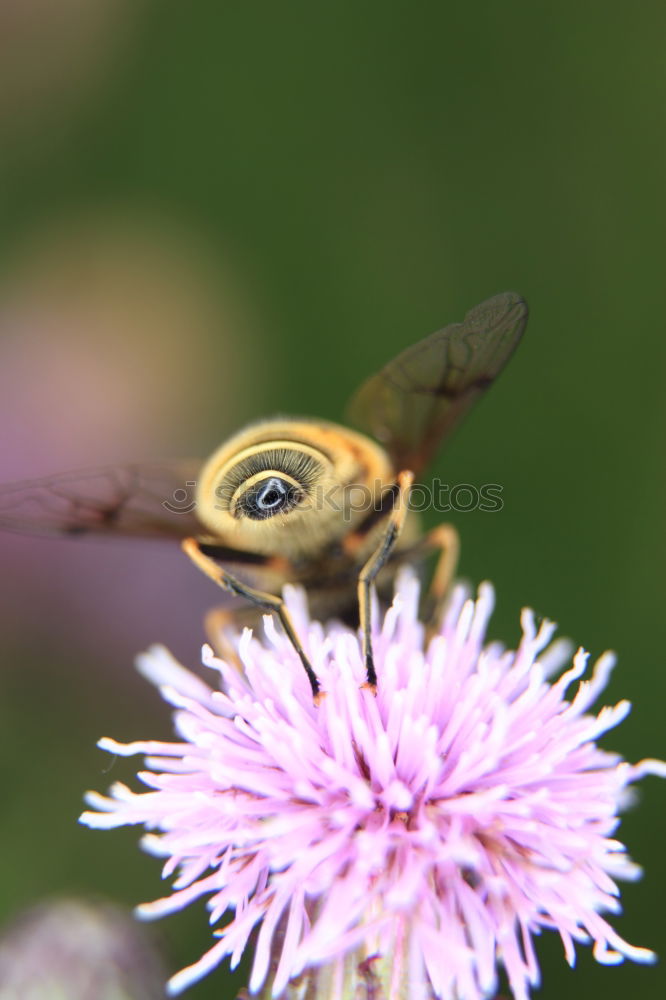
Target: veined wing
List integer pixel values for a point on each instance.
(416, 399)
(144, 501)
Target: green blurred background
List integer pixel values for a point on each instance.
(214, 211)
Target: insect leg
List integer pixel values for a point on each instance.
(216, 623)
(260, 598)
(445, 538)
(374, 564)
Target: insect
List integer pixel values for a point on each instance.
(301, 500)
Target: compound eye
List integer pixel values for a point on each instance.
(269, 497)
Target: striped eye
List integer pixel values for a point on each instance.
(269, 480)
(268, 497)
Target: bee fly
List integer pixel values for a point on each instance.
(301, 500)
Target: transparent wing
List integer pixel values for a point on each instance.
(144, 501)
(416, 399)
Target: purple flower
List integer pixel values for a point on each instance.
(77, 949)
(419, 837)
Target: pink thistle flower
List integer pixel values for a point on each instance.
(414, 840)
